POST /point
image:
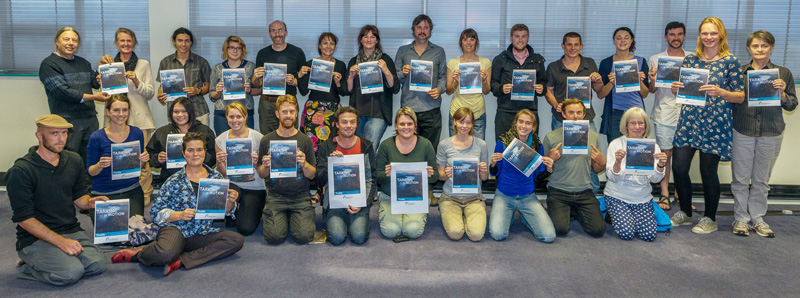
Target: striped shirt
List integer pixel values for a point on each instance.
(764, 121)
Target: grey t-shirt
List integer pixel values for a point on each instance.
(447, 152)
(289, 189)
(571, 173)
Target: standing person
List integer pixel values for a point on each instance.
(317, 121)
(279, 52)
(757, 137)
(99, 160)
(665, 110)
(195, 69)
(427, 105)
(405, 146)
(253, 191)
(515, 191)
(288, 204)
(707, 128)
(351, 222)
(569, 192)
(571, 64)
(628, 196)
(618, 102)
(44, 187)
(181, 121)
(374, 109)
(68, 82)
(469, 43)
(462, 212)
(137, 71)
(518, 55)
(182, 240)
(234, 52)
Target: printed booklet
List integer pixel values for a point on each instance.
(469, 78)
(421, 76)
(371, 77)
(627, 75)
(111, 221)
(522, 157)
(760, 92)
(669, 71)
(233, 80)
(321, 76)
(580, 88)
(409, 187)
(175, 159)
(212, 196)
(274, 79)
(639, 159)
(576, 137)
(524, 81)
(172, 83)
(465, 176)
(125, 160)
(347, 181)
(283, 159)
(113, 79)
(240, 159)
(690, 94)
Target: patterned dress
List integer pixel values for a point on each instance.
(709, 128)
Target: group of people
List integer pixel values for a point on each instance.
(47, 184)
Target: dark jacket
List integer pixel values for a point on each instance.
(37, 189)
(606, 67)
(385, 97)
(158, 144)
(324, 150)
(334, 94)
(503, 67)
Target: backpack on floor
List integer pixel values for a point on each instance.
(663, 223)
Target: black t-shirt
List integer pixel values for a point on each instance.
(292, 56)
(289, 188)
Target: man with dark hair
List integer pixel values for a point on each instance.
(518, 55)
(283, 53)
(68, 82)
(571, 64)
(352, 222)
(428, 104)
(665, 110)
(44, 187)
(195, 69)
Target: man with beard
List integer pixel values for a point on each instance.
(427, 105)
(519, 55)
(665, 110)
(352, 221)
(44, 187)
(288, 204)
(283, 53)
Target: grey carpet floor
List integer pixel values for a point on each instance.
(682, 264)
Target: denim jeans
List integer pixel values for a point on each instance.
(221, 122)
(371, 129)
(339, 222)
(555, 124)
(533, 215)
(480, 127)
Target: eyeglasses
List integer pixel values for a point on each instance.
(235, 48)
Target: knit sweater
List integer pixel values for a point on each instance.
(65, 82)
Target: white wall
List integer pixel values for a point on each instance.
(24, 100)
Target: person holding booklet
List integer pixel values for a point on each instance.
(317, 120)
(629, 196)
(463, 211)
(44, 188)
(99, 163)
(374, 109)
(569, 192)
(427, 104)
(706, 128)
(515, 190)
(617, 102)
(280, 52)
(571, 64)
(140, 91)
(518, 55)
(181, 121)
(469, 43)
(234, 52)
(405, 146)
(288, 206)
(253, 191)
(757, 137)
(665, 109)
(351, 222)
(182, 240)
(196, 73)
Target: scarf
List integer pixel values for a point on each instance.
(131, 64)
(361, 57)
(511, 134)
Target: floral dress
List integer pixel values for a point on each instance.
(317, 121)
(709, 128)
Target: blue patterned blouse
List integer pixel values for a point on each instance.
(177, 194)
(708, 128)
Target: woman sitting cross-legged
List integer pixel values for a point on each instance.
(183, 240)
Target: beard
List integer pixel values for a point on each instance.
(292, 125)
(52, 147)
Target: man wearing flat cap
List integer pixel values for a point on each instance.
(44, 187)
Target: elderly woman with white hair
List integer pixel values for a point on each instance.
(628, 195)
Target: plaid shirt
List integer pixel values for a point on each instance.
(197, 72)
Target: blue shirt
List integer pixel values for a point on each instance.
(511, 181)
(100, 146)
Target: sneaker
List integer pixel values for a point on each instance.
(740, 228)
(705, 226)
(762, 229)
(681, 219)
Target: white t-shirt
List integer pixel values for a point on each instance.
(665, 110)
(632, 189)
(257, 183)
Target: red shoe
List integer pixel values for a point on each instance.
(125, 255)
(171, 267)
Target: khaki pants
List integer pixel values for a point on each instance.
(146, 178)
(463, 214)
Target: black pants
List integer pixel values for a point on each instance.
(429, 125)
(193, 251)
(503, 121)
(79, 134)
(709, 163)
(135, 197)
(251, 206)
(583, 205)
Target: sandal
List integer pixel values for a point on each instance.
(664, 201)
